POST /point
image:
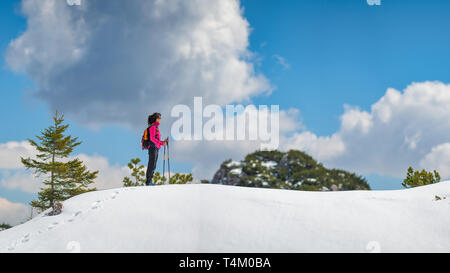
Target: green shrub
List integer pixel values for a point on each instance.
(4, 226)
(177, 178)
(416, 178)
(137, 173)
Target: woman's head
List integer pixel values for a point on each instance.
(153, 118)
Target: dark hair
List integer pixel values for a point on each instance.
(153, 117)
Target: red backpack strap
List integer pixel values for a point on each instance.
(156, 131)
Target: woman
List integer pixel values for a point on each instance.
(155, 144)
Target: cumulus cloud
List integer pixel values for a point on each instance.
(109, 176)
(402, 129)
(323, 148)
(113, 62)
(438, 159)
(20, 179)
(11, 152)
(13, 213)
(12, 173)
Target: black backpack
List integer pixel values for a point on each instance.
(145, 141)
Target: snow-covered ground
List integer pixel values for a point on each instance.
(216, 218)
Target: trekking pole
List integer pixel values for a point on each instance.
(168, 160)
(164, 161)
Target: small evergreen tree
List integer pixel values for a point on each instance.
(181, 179)
(64, 179)
(137, 172)
(416, 178)
(158, 179)
(4, 226)
(174, 179)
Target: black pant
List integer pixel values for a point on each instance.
(152, 159)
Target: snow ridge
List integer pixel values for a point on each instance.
(219, 218)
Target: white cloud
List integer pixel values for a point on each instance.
(355, 120)
(20, 179)
(323, 148)
(12, 173)
(109, 176)
(13, 213)
(114, 62)
(11, 152)
(438, 159)
(402, 129)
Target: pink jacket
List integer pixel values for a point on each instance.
(154, 131)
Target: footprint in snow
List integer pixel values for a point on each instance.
(26, 238)
(52, 226)
(73, 216)
(12, 246)
(95, 205)
(114, 195)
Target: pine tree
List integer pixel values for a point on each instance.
(63, 178)
(416, 178)
(4, 226)
(137, 172)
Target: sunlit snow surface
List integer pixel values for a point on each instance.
(217, 218)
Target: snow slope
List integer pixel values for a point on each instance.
(216, 218)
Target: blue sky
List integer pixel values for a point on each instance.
(338, 52)
(347, 52)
